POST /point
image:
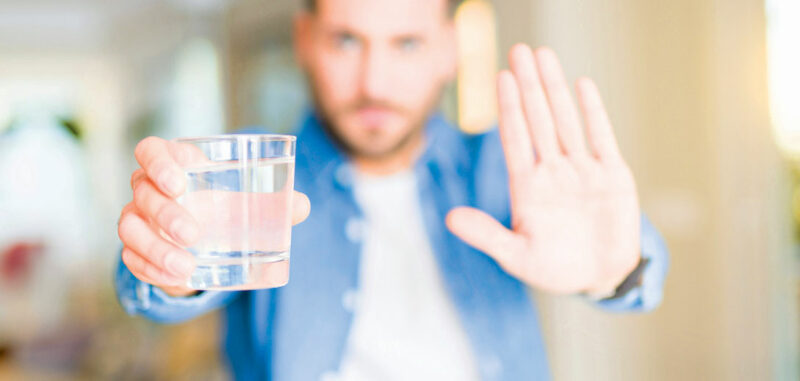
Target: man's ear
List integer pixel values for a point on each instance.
(302, 37)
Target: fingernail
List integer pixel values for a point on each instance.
(171, 180)
(179, 264)
(186, 231)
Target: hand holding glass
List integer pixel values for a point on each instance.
(239, 189)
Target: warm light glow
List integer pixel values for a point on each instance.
(477, 66)
(783, 45)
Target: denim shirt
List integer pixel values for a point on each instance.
(299, 331)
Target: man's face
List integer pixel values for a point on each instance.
(376, 68)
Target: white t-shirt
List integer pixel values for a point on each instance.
(405, 325)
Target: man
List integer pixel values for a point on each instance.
(415, 261)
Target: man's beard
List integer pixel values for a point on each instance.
(417, 126)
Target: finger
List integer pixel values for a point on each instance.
(301, 207)
(599, 132)
(562, 107)
(139, 237)
(128, 208)
(484, 233)
(513, 129)
(137, 175)
(165, 212)
(514, 134)
(154, 157)
(145, 271)
(535, 107)
(187, 154)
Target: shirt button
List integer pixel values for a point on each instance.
(350, 300)
(143, 295)
(354, 229)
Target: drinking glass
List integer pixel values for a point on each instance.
(239, 190)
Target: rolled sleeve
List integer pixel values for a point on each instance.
(141, 298)
(647, 296)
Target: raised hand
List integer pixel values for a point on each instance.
(155, 229)
(574, 209)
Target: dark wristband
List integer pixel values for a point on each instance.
(633, 280)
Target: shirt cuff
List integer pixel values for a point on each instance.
(141, 298)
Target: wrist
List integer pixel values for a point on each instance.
(619, 287)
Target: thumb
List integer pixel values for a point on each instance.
(483, 232)
(301, 206)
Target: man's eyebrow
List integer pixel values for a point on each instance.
(409, 35)
(334, 29)
(340, 29)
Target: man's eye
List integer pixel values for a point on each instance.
(409, 44)
(346, 41)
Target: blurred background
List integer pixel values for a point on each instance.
(703, 95)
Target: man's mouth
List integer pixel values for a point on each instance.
(373, 116)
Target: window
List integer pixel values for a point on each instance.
(477, 66)
(783, 50)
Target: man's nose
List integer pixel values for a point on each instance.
(376, 76)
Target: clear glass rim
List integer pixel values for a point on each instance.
(231, 137)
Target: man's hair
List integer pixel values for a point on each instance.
(452, 5)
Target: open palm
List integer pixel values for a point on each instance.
(574, 209)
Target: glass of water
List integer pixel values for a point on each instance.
(239, 189)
